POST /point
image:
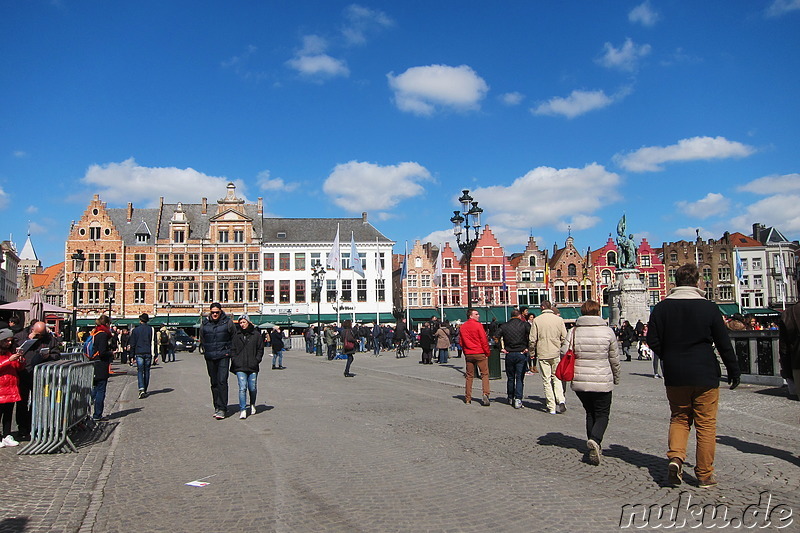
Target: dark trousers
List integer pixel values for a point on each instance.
(99, 397)
(516, 365)
(331, 351)
(6, 410)
(25, 384)
(349, 362)
(218, 373)
(427, 355)
(598, 409)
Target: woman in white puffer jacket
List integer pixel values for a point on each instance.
(596, 372)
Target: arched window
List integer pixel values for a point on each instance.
(572, 270)
(611, 258)
(418, 262)
(605, 275)
(532, 261)
(673, 257)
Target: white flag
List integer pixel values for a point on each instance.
(355, 259)
(437, 276)
(378, 268)
(335, 257)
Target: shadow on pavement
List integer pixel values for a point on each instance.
(93, 435)
(160, 391)
(14, 525)
(760, 449)
(656, 465)
(124, 412)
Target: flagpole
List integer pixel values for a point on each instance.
(377, 270)
(408, 311)
(738, 274)
(783, 276)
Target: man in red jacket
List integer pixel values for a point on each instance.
(476, 354)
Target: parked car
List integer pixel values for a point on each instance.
(183, 342)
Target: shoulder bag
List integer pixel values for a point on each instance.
(565, 371)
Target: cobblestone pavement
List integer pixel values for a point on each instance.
(393, 449)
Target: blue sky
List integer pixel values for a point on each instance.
(558, 116)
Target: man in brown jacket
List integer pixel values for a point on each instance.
(547, 334)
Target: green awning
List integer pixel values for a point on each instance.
(760, 311)
(728, 309)
(179, 321)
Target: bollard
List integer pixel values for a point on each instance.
(494, 362)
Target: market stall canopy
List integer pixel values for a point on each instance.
(25, 305)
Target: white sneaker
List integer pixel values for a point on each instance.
(243, 414)
(517, 404)
(252, 409)
(10, 441)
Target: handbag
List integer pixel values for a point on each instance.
(565, 371)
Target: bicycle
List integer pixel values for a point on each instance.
(400, 350)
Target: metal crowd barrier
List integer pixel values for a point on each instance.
(61, 400)
(72, 356)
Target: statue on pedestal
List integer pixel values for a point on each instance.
(625, 246)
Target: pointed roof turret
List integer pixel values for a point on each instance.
(28, 253)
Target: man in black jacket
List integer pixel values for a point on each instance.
(513, 338)
(140, 345)
(216, 335)
(683, 330)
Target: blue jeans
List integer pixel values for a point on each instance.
(99, 397)
(277, 359)
(309, 345)
(362, 344)
(376, 346)
(247, 382)
(516, 365)
(443, 353)
(143, 363)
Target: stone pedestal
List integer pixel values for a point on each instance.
(628, 299)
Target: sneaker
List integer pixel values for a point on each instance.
(517, 404)
(485, 400)
(243, 414)
(219, 415)
(252, 409)
(657, 376)
(553, 412)
(675, 472)
(142, 394)
(10, 441)
(2, 444)
(594, 452)
(562, 407)
(710, 481)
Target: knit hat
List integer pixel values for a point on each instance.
(6, 334)
(244, 316)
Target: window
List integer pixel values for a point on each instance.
(330, 290)
(345, 261)
(284, 294)
(572, 270)
(654, 297)
(757, 264)
(413, 299)
(94, 234)
(411, 280)
(724, 273)
(725, 293)
(522, 297)
(142, 237)
(559, 293)
(283, 261)
(238, 291)
(300, 261)
(673, 257)
(139, 262)
(572, 292)
(110, 263)
(79, 292)
(444, 281)
(177, 292)
(347, 290)
(448, 263)
(194, 262)
(380, 287)
(758, 281)
(208, 291)
(443, 299)
(425, 280)
(644, 260)
(163, 262)
(744, 264)
(454, 280)
(558, 272)
(495, 272)
(300, 291)
(425, 299)
(758, 299)
(93, 294)
(138, 292)
(653, 280)
(93, 263)
(538, 276)
(162, 293)
(208, 263)
(361, 290)
(178, 236)
(252, 290)
(177, 262)
(605, 277)
(480, 273)
(222, 261)
(194, 292)
(745, 281)
(455, 298)
(223, 291)
(611, 258)
(586, 292)
(316, 258)
(238, 261)
(252, 261)
(222, 236)
(744, 300)
(238, 235)
(707, 273)
(269, 291)
(723, 257)
(269, 261)
(672, 275)
(532, 261)
(525, 275)
(699, 257)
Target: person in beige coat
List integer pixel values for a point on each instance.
(547, 335)
(596, 372)
(443, 343)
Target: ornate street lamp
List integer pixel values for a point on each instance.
(77, 267)
(110, 290)
(470, 218)
(318, 273)
(167, 306)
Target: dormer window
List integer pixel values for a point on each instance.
(281, 234)
(141, 237)
(179, 236)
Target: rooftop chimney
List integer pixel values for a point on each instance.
(260, 206)
(364, 217)
(204, 206)
(130, 211)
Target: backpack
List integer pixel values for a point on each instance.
(88, 347)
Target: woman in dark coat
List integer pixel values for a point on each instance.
(246, 355)
(102, 356)
(349, 342)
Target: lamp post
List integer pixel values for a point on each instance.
(318, 273)
(470, 217)
(167, 307)
(77, 266)
(110, 290)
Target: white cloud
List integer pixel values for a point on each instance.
(773, 184)
(779, 210)
(129, 182)
(780, 7)
(712, 204)
(361, 21)
(267, 183)
(514, 98)
(440, 237)
(553, 197)
(20, 154)
(690, 233)
(31, 209)
(358, 186)
(424, 90)
(576, 104)
(4, 198)
(240, 64)
(651, 158)
(312, 61)
(643, 14)
(624, 58)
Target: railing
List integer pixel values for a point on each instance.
(61, 400)
(757, 352)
